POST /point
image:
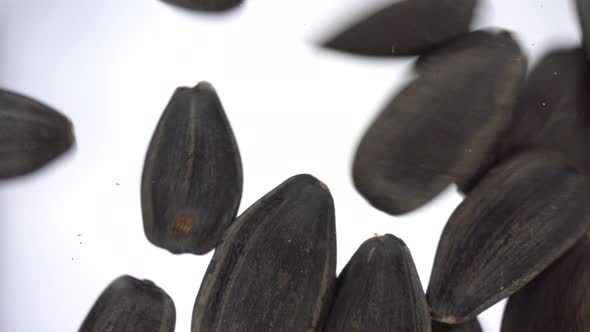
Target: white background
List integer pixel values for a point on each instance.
(111, 66)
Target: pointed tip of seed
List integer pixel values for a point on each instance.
(204, 85)
(311, 180)
(444, 319)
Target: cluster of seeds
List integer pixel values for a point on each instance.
(515, 144)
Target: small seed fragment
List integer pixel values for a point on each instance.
(523, 215)
(471, 326)
(130, 304)
(442, 127)
(192, 178)
(405, 28)
(556, 300)
(554, 108)
(31, 134)
(276, 265)
(206, 5)
(379, 290)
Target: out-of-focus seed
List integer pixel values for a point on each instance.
(404, 28)
(557, 300)
(523, 215)
(31, 134)
(192, 177)
(206, 5)
(129, 304)
(276, 266)
(583, 7)
(444, 126)
(379, 290)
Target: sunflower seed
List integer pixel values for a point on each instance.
(557, 300)
(471, 326)
(31, 134)
(583, 7)
(129, 304)
(444, 126)
(554, 108)
(206, 5)
(379, 290)
(406, 28)
(192, 178)
(276, 265)
(523, 215)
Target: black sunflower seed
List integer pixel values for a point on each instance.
(129, 304)
(408, 27)
(206, 5)
(583, 7)
(379, 290)
(471, 326)
(557, 300)
(192, 178)
(276, 265)
(523, 215)
(444, 126)
(31, 134)
(554, 108)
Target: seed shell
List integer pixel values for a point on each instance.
(379, 290)
(192, 178)
(405, 28)
(276, 266)
(442, 127)
(523, 215)
(130, 304)
(558, 300)
(31, 134)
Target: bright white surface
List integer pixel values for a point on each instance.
(111, 66)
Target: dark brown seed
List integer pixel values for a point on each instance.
(206, 5)
(408, 27)
(554, 108)
(129, 304)
(192, 177)
(471, 326)
(442, 127)
(583, 7)
(523, 215)
(379, 290)
(558, 300)
(31, 134)
(276, 265)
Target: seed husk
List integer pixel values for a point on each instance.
(379, 290)
(442, 127)
(130, 304)
(31, 134)
(556, 300)
(192, 177)
(206, 5)
(406, 28)
(471, 326)
(276, 266)
(523, 215)
(554, 108)
(583, 7)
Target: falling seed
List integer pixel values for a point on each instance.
(31, 134)
(420, 142)
(379, 290)
(192, 178)
(206, 5)
(471, 326)
(562, 123)
(412, 26)
(583, 7)
(523, 215)
(276, 265)
(129, 304)
(558, 299)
